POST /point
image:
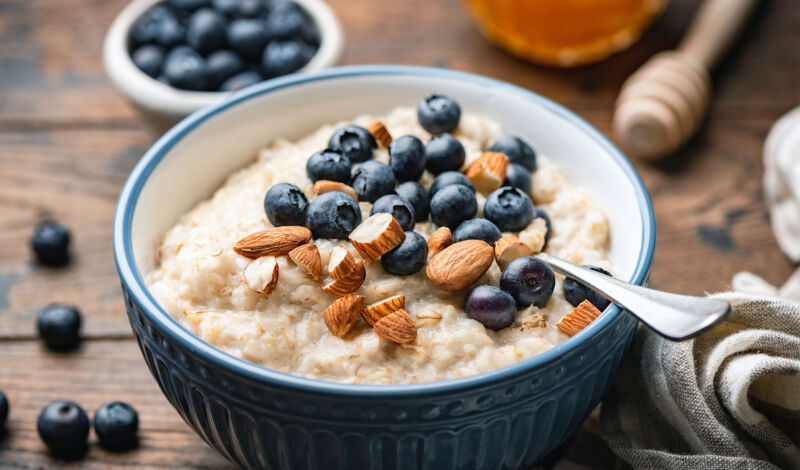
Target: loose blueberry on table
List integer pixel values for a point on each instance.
(177, 42)
(50, 243)
(116, 424)
(64, 427)
(59, 326)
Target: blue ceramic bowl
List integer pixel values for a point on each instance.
(259, 418)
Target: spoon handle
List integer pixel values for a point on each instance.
(673, 316)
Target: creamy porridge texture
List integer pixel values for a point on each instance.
(199, 276)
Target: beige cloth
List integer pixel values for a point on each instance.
(730, 398)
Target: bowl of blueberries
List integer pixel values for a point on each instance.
(173, 57)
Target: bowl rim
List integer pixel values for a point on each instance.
(148, 92)
(134, 283)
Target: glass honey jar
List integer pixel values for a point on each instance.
(564, 33)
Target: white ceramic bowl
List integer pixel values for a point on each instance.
(172, 104)
(261, 418)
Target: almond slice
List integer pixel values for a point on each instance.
(381, 133)
(343, 314)
(307, 257)
(488, 171)
(341, 263)
(439, 240)
(397, 327)
(372, 313)
(261, 275)
(326, 186)
(349, 283)
(510, 248)
(460, 264)
(579, 318)
(273, 242)
(376, 235)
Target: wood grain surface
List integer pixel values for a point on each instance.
(68, 141)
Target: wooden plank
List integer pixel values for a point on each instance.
(100, 371)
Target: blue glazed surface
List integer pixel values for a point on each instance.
(259, 418)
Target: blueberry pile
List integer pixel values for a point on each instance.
(222, 45)
(449, 202)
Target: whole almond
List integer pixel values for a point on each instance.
(439, 240)
(579, 318)
(307, 257)
(460, 264)
(276, 241)
(488, 171)
(343, 314)
(397, 327)
(372, 313)
(376, 235)
(509, 248)
(261, 275)
(348, 284)
(326, 186)
(381, 133)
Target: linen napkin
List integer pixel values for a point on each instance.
(731, 397)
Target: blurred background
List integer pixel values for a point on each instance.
(68, 140)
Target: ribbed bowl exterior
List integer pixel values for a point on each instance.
(499, 425)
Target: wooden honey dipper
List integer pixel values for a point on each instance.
(661, 105)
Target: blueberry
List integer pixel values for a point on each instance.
(398, 207)
(354, 142)
(449, 178)
(64, 427)
(539, 213)
(477, 229)
(3, 411)
(407, 158)
(333, 215)
(189, 5)
(371, 180)
(282, 56)
(516, 149)
(206, 31)
(416, 195)
(328, 165)
(248, 37)
(185, 68)
(408, 257)
(444, 153)
(289, 20)
(170, 32)
(115, 424)
(59, 326)
(452, 205)
(146, 28)
(241, 80)
(529, 281)
(285, 204)
(220, 66)
(252, 8)
(227, 7)
(575, 292)
(491, 306)
(50, 243)
(438, 114)
(509, 208)
(517, 176)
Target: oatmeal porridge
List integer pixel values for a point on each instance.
(199, 276)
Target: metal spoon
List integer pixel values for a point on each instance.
(673, 316)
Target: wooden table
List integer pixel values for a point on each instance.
(68, 141)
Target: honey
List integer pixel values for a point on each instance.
(564, 33)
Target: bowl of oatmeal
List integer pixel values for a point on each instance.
(369, 335)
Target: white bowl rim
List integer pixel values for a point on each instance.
(133, 281)
(154, 95)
